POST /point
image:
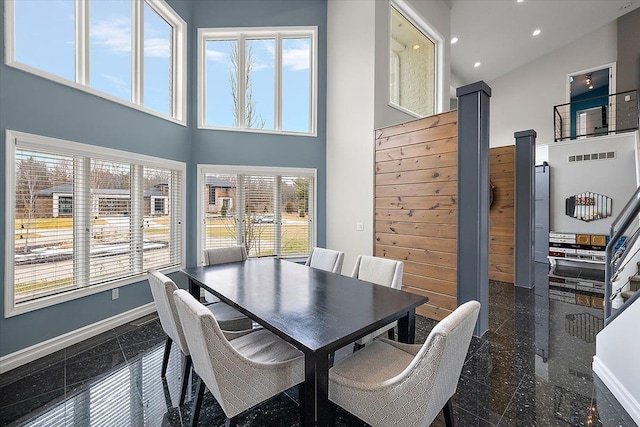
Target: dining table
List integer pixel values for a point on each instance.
(316, 311)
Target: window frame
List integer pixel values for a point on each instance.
(410, 14)
(178, 93)
(241, 34)
(38, 142)
(254, 171)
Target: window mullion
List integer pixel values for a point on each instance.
(240, 211)
(82, 207)
(277, 214)
(136, 223)
(137, 51)
(175, 215)
(242, 87)
(82, 41)
(278, 83)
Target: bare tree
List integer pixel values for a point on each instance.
(252, 120)
(31, 176)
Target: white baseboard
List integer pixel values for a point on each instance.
(628, 402)
(29, 354)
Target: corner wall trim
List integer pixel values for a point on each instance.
(620, 392)
(29, 354)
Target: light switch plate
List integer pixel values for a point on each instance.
(359, 226)
(115, 293)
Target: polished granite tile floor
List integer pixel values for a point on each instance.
(533, 368)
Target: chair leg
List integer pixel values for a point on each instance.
(198, 403)
(185, 379)
(391, 334)
(301, 401)
(231, 422)
(165, 359)
(447, 410)
(332, 359)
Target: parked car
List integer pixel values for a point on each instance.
(264, 219)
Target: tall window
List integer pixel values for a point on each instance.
(129, 51)
(414, 63)
(86, 218)
(259, 79)
(268, 210)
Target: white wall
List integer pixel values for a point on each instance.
(524, 98)
(614, 178)
(350, 127)
(357, 104)
(616, 359)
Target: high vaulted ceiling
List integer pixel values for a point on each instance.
(498, 33)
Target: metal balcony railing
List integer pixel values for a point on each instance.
(601, 115)
(621, 250)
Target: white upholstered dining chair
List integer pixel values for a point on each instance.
(215, 256)
(240, 373)
(406, 385)
(326, 259)
(162, 288)
(381, 271)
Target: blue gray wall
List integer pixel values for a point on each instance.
(35, 105)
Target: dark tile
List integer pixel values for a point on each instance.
(31, 368)
(141, 339)
(93, 363)
(18, 413)
(35, 388)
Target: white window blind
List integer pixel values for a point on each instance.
(88, 216)
(270, 214)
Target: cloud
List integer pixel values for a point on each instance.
(157, 48)
(113, 34)
(215, 55)
(296, 58)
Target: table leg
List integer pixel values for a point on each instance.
(316, 391)
(194, 289)
(407, 327)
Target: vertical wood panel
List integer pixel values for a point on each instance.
(416, 206)
(502, 214)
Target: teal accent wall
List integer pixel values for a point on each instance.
(594, 98)
(32, 104)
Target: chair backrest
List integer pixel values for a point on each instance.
(162, 289)
(381, 271)
(436, 369)
(214, 359)
(216, 256)
(326, 259)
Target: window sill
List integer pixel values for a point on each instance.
(49, 301)
(260, 131)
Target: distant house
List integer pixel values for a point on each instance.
(57, 201)
(220, 193)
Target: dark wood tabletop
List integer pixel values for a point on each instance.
(316, 311)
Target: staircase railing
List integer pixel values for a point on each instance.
(603, 115)
(624, 234)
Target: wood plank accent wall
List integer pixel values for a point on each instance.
(416, 189)
(502, 214)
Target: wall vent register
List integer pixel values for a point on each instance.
(592, 156)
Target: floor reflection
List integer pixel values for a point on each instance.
(533, 368)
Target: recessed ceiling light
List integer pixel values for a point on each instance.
(416, 46)
(476, 65)
(454, 40)
(520, 1)
(536, 32)
(590, 86)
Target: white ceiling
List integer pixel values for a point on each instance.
(498, 33)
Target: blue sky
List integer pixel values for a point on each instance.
(296, 82)
(45, 39)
